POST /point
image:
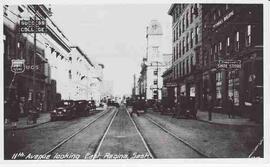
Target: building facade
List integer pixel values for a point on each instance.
(227, 36)
(150, 81)
(187, 52)
(56, 63)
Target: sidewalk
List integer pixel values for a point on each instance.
(22, 123)
(219, 118)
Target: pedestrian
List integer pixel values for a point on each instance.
(135, 108)
(32, 113)
(230, 107)
(177, 109)
(14, 110)
(210, 106)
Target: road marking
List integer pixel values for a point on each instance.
(145, 145)
(100, 143)
(74, 134)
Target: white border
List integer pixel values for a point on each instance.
(160, 162)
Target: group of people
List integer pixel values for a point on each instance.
(14, 107)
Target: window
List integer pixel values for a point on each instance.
(176, 36)
(179, 49)
(219, 13)
(187, 44)
(191, 14)
(173, 53)
(218, 87)
(219, 47)
(183, 24)
(248, 35)
(179, 29)
(237, 43)
(155, 82)
(183, 67)
(214, 16)
(173, 35)
(191, 39)
(196, 34)
(228, 41)
(155, 72)
(180, 68)
(215, 46)
(195, 10)
(227, 7)
(176, 51)
(187, 66)
(155, 50)
(184, 45)
(176, 71)
(191, 63)
(187, 22)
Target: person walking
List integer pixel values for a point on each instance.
(14, 110)
(230, 107)
(135, 107)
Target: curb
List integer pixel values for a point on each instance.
(26, 127)
(217, 123)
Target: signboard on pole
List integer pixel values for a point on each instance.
(17, 65)
(229, 64)
(32, 26)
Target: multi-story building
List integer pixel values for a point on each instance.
(233, 32)
(55, 61)
(186, 58)
(150, 81)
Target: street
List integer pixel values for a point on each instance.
(114, 134)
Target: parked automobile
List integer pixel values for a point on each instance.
(92, 104)
(65, 109)
(82, 108)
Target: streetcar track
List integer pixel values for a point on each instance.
(77, 132)
(104, 135)
(178, 138)
(146, 145)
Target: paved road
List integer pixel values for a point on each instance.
(114, 136)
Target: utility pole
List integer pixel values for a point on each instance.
(34, 58)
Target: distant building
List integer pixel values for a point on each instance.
(150, 81)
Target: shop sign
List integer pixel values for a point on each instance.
(170, 85)
(17, 65)
(225, 18)
(229, 64)
(32, 26)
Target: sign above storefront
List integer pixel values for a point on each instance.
(32, 26)
(225, 18)
(170, 85)
(229, 64)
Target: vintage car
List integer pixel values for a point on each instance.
(65, 109)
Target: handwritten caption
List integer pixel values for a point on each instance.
(74, 156)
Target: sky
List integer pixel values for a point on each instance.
(113, 35)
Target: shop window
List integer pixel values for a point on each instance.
(187, 66)
(218, 88)
(233, 86)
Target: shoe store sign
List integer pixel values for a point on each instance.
(32, 26)
(229, 64)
